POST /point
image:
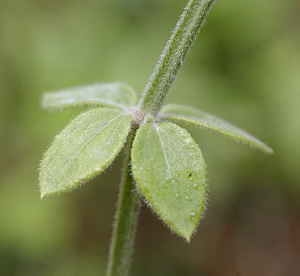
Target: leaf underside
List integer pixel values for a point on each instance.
(117, 94)
(84, 149)
(185, 114)
(170, 172)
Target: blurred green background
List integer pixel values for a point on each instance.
(244, 67)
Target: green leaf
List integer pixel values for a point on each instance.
(186, 114)
(117, 94)
(84, 149)
(170, 172)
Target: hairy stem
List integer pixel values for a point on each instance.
(178, 46)
(121, 247)
(183, 36)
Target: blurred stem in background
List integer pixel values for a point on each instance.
(182, 38)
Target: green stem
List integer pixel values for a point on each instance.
(183, 36)
(126, 219)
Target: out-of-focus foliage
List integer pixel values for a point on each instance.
(244, 67)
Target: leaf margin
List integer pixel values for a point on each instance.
(48, 96)
(198, 122)
(91, 174)
(159, 215)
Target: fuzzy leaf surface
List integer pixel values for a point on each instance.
(84, 149)
(115, 94)
(170, 172)
(186, 114)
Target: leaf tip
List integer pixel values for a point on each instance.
(187, 238)
(43, 100)
(265, 148)
(186, 233)
(269, 150)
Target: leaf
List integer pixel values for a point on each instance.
(186, 114)
(84, 149)
(115, 94)
(170, 172)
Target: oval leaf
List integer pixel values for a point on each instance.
(186, 114)
(170, 172)
(84, 149)
(116, 94)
